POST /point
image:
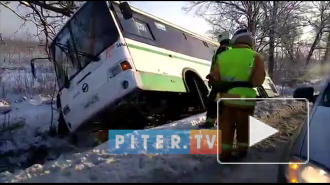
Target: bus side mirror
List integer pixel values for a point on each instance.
(33, 69)
(126, 10)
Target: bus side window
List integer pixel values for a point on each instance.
(135, 26)
(144, 29)
(126, 25)
(199, 48)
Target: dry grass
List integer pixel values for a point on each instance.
(23, 83)
(287, 119)
(15, 73)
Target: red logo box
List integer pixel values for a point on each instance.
(204, 142)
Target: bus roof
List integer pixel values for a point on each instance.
(171, 24)
(151, 16)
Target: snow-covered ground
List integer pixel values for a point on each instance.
(23, 132)
(26, 143)
(97, 165)
(33, 113)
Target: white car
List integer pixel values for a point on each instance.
(314, 147)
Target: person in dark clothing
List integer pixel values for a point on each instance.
(224, 40)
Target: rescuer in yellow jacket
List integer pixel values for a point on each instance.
(236, 72)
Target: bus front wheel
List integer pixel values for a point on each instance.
(62, 127)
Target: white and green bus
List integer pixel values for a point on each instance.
(110, 55)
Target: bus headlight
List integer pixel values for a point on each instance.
(306, 173)
(125, 65)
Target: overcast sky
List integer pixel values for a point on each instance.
(167, 10)
(10, 23)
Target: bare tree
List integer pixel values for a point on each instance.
(271, 22)
(47, 16)
(270, 9)
(318, 17)
(327, 49)
(230, 15)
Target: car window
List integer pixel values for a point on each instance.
(325, 99)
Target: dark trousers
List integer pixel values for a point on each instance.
(211, 106)
(231, 119)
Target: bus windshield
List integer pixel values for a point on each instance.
(88, 33)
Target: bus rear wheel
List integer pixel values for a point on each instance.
(197, 90)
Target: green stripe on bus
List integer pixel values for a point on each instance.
(158, 82)
(165, 54)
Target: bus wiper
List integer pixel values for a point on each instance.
(65, 49)
(92, 57)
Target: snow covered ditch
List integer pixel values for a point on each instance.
(97, 165)
(23, 131)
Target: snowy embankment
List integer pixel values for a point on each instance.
(23, 132)
(97, 165)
